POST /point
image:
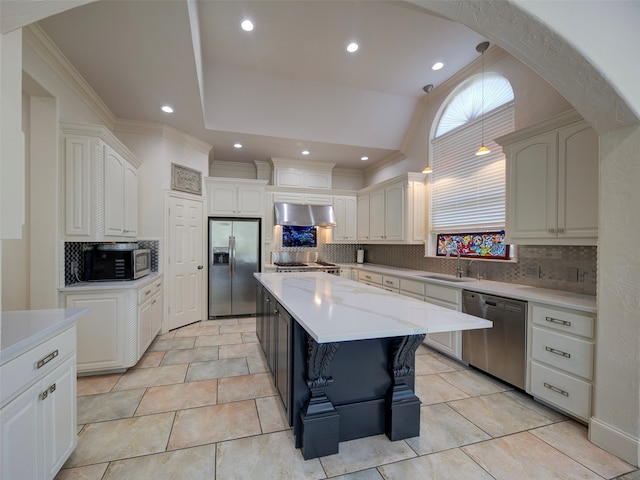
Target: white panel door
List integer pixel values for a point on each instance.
(186, 266)
(114, 166)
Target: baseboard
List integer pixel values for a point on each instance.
(614, 441)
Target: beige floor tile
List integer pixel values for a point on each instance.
(529, 402)
(271, 414)
(526, 457)
(369, 474)
(197, 463)
(240, 328)
(220, 322)
(243, 350)
(249, 337)
(365, 453)
(167, 335)
(428, 364)
(452, 464)
(432, 389)
(215, 423)
(197, 354)
(97, 383)
(177, 397)
(257, 364)
(442, 428)
(571, 439)
(150, 359)
(90, 472)
(228, 367)
(197, 330)
(247, 320)
(108, 406)
(163, 344)
(631, 476)
(474, 383)
(119, 439)
(245, 387)
(149, 377)
(498, 414)
(423, 350)
(271, 456)
(215, 340)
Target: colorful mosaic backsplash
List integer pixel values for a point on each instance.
(473, 245)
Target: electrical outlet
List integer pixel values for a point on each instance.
(572, 274)
(533, 272)
(74, 267)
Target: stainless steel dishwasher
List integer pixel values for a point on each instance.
(501, 350)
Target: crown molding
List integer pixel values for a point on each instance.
(385, 162)
(160, 130)
(36, 38)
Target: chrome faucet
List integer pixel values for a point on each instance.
(459, 270)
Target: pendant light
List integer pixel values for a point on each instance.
(482, 47)
(427, 89)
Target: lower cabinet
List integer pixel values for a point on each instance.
(449, 343)
(39, 425)
(149, 314)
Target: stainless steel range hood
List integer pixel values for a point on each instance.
(303, 215)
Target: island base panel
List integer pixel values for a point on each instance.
(319, 434)
(402, 410)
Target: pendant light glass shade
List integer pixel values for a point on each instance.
(483, 150)
(427, 169)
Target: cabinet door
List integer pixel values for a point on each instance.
(145, 326)
(350, 219)
(578, 179)
(283, 361)
(20, 429)
(78, 191)
(377, 215)
(156, 314)
(394, 212)
(99, 344)
(532, 207)
(222, 200)
(59, 416)
(339, 208)
(363, 217)
(250, 201)
(130, 226)
(114, 188)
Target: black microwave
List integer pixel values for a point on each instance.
(116, 261)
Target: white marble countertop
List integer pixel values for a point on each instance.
(334, 309)
(115, 285)
(22, 330)
(558, 298)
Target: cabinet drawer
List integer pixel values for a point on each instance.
(438, 292)
(149, 290)
(411, 286)
(562, 390)
(568, 321)
(568, 353)
(370, 277)
(35, 363)
(391, 282)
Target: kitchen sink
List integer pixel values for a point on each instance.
(445, 278)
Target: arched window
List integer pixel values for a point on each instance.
(468, 191)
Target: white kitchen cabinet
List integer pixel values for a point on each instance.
(449, 343)
(395, 211)
(120, 326)
(561, 358)
(345, 208)
(293, 173)
(38, 424)
(552, 183)
(101, 185)
(235, 197)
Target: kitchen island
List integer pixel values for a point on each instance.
(343, 355)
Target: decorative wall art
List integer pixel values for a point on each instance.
(185, 179)
(473, 245)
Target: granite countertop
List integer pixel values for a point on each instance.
(558, 298)
(115, 285)
(335, 309)
(23, 330)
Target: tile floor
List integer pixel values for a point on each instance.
(201, 404)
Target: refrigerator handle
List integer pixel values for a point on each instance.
(232, 255)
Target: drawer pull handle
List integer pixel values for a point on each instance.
(147, 292)
(44, 394)
(558, 352)
(47, 359)
(158, 284)
(52, 388)
(556, 389)
(558, 321)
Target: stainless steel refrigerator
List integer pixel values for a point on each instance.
(234, 255)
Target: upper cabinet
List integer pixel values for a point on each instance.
(552, 183)
(290, 173)
(235, 197)
(392, 211)
(345, 208)
(101, 185)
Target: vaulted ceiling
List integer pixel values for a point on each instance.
(287, 86)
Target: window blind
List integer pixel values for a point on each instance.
(468, 191)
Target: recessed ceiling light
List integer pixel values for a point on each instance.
(364, 159)
(167, 109)
(353, 47)
(247, 25)
(305, 152)
(437, 66)
(237, 145)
